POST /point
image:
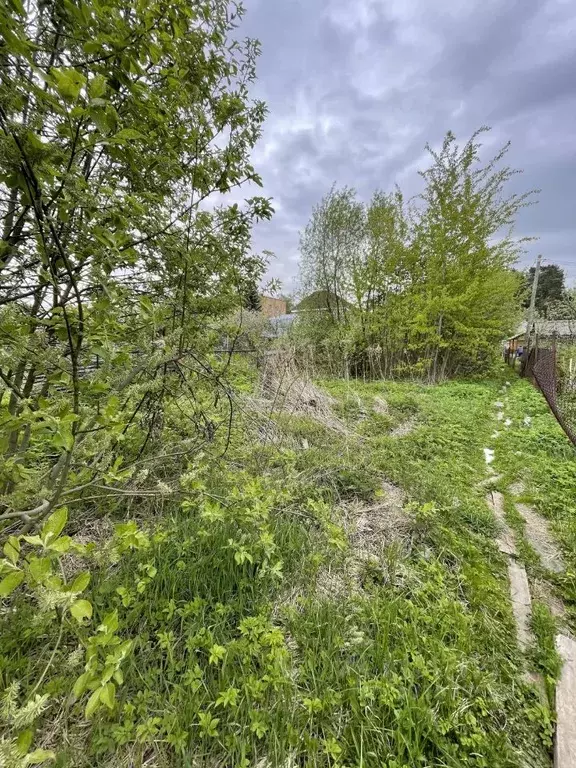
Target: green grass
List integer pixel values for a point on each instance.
(242, 657)
(540, 455)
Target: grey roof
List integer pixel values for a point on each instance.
(549, 328)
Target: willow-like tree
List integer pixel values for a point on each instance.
(331, 249)
(118, 120)
(463, 293)
(431, 283)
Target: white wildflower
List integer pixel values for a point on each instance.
(75, 658)
(355, 638)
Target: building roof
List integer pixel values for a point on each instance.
(321, 300)
(548, 328)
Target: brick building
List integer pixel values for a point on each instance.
(271, 307)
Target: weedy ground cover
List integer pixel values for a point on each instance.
(269, 615)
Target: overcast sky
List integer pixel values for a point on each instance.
(356, 88)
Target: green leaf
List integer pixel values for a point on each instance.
(63, 438)
(97, 87)
(128, 134)
(40, 568)
(155, 53)
(61, 545)
(123, 650)
(92, 46)
(108, 695)
(52, 528)
(81, 609)
(10, 582)
(12, 549)
(39, 756)
(109, 623)
(104, 119)
(24, 741)
(93, 703)
(69, 82)
(80, 684)
(107, 673)
(80, 582)
(217, 653)
(147, 306)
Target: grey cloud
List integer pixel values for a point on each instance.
(476, 47)
(536, 88)
(355, 91)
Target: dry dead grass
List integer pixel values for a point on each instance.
(374, 531)
(403, 429)
(285, 389)
(380, 406)
(96, 532)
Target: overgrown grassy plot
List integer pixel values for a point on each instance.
(262, 635)
(252, 609)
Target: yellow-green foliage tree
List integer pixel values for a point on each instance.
(464, 289)
(432, 283)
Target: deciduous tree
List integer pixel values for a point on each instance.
(118, 122)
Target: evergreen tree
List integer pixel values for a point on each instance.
(550, 290)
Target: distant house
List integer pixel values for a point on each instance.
(543, 329)
(323, 301)
(271, 307)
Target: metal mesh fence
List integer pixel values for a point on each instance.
(552, 367)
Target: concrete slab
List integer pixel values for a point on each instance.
(517, 488)
(565, 746)
(505, 539)
(521, 603)
(491, 480)
(539, 536)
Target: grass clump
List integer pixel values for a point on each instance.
(544, 654)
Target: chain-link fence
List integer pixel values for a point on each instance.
(551, 365)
